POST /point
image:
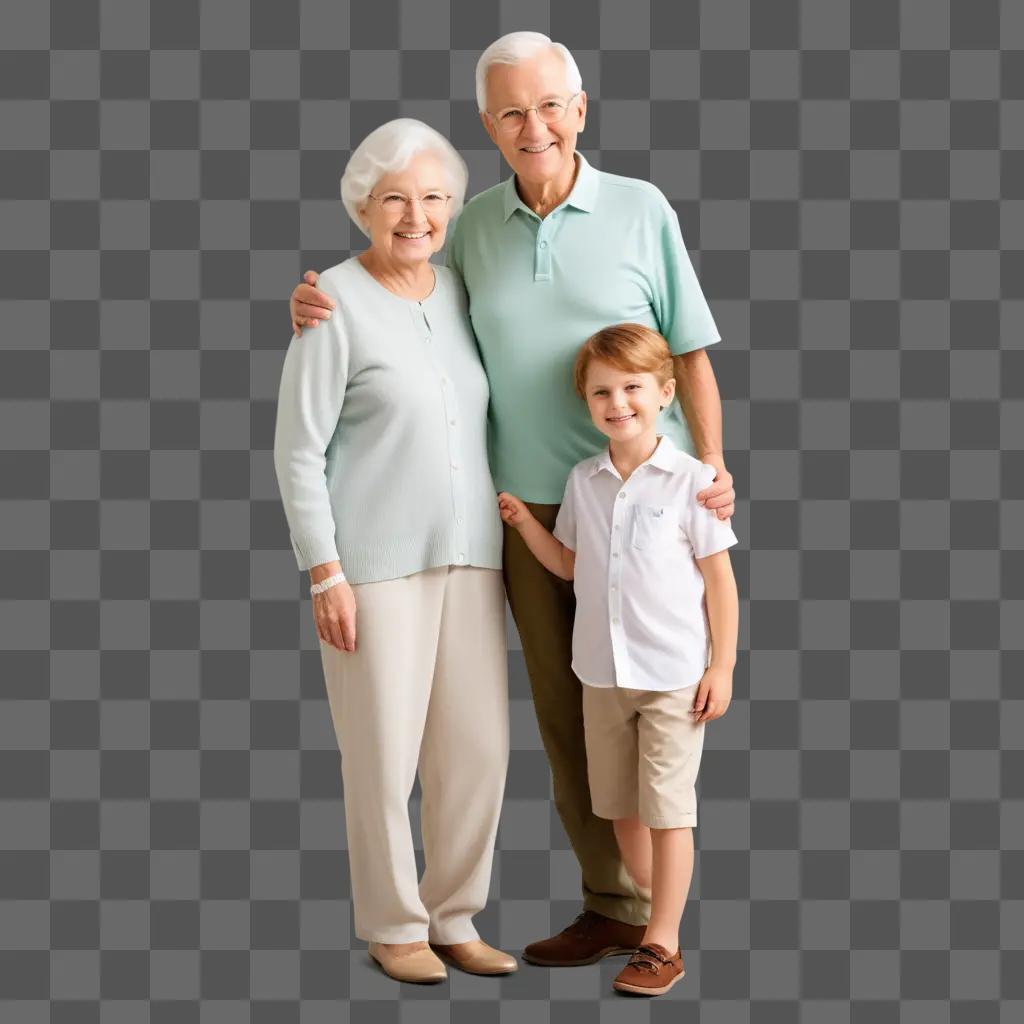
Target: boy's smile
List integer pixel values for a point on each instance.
(624, 404)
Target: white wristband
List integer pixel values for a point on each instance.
(319, 588)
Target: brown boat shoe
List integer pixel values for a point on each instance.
(590, 938)
(651, 971)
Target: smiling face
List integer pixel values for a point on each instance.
(624, 404)
(538, 152)
(408, 233)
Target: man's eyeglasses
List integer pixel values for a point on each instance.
(550, 111)
(395, 202)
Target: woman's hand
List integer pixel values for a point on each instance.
(308, 305)
(513, 510)
(334, 612)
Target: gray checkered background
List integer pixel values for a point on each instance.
(850, 180)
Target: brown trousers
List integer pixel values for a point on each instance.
(543, 607)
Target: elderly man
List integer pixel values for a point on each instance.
(548, 257)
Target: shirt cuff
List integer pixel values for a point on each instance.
(681, 347)
(721, 542)
(310, 550)
(563, 538)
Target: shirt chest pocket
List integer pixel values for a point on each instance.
(653, 526)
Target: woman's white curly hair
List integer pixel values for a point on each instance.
(390, 148)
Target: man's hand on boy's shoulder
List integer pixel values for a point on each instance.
(719, 496)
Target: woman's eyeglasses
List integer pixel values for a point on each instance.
(396, 202)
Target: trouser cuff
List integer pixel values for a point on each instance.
(635, 910)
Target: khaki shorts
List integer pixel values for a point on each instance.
(643, 752)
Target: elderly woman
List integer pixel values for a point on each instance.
(380, 451)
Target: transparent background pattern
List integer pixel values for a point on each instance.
(850, 180)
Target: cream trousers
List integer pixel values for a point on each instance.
(426, 688)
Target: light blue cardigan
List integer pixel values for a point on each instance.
(380, 446)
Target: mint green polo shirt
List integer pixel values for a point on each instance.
(611, 253)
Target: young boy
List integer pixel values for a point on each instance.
(652, 578)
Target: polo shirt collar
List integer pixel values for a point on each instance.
(663, 457)
(582, 197)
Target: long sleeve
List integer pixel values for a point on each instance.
(380, 441)
(313, 382)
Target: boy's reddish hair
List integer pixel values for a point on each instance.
(629, 347)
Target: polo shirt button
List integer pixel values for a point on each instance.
(614, 587)
(458, 519)
(452, 422)
(622, 495)
(615, 621)
(543, 245)
(615, 554)
(455, 465)
(462, 557)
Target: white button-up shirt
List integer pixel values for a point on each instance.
(641, 619)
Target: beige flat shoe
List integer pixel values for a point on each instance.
(419, 965)
(476, 957)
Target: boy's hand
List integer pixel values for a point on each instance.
(513, 510)
(714, 693)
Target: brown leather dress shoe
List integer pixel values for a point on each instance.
(418, 964)
(651, 971)
(476, 957)
(590, 938)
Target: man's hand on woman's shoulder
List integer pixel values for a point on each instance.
(308, 305)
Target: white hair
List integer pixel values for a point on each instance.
(390, 148)
(516, 47)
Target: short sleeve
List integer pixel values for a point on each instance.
(683, 314)
(565, 521)
(706, 533)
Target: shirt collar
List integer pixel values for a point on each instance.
(663, 457)
(582, 197)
